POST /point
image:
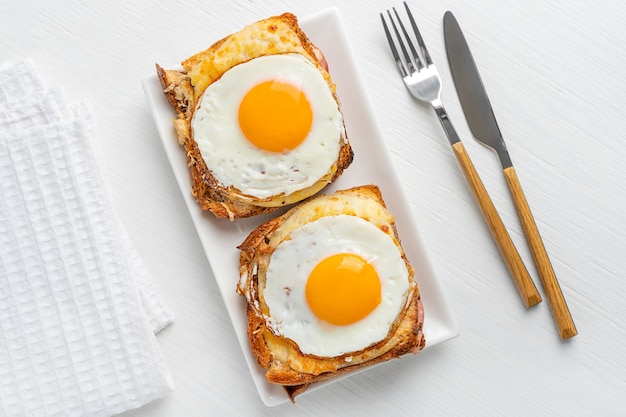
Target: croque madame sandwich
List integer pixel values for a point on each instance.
(329, 289)
(259, 119)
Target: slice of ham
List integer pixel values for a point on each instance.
(320, 57)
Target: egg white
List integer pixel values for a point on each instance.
(236, 162)
(291, 264)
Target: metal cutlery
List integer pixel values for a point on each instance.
(482, 122)
(423, 82)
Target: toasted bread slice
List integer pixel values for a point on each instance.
(184, 88)
(283, 361)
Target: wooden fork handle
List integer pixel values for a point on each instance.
(511, 256)
(560, 312)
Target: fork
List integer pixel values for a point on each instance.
(424, 83)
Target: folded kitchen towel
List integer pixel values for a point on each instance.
(24, 103)
(78, 312)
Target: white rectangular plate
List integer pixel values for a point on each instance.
(372, 165)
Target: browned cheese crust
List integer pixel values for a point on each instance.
(183, 89)
(284, 363)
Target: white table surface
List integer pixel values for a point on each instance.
(555, 72)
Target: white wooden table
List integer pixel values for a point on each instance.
(555, 74)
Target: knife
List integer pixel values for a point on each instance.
(484, 128)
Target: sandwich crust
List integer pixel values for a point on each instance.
(284, 363)
(184, 88)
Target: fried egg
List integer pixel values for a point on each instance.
(335, 285)
(269, 126)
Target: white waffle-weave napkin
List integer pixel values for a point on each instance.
(78, 313)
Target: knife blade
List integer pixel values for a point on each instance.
(484, 127)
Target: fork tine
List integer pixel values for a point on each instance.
(416, 57)
(409, 62)
(418, 35)
(394, 51)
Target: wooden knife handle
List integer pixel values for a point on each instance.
(514, 262)
(560, 312)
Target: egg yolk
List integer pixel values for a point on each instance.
(343, 289)
(275, 116)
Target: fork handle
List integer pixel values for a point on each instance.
(509, 252)
(560, 312)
